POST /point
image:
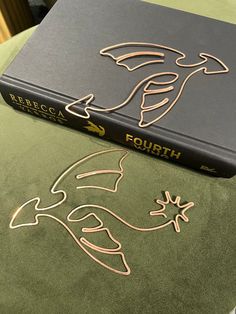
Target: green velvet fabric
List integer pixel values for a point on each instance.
(224, 10)
(42, 270)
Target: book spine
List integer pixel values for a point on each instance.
(116, 128)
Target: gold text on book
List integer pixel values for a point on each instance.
(152, 148)
(38, 109)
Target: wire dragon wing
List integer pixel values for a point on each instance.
(134, 55)
(86, 173)
(159, 95)
(97, 241)
(160, 91)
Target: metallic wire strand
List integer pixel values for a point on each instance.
(159, 59)
(82, 242)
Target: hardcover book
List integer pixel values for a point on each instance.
(156, 79)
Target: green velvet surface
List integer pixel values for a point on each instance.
(224, 10)
(42, 270)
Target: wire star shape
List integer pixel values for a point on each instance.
(181, 215)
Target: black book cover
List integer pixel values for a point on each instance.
(153, 78)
